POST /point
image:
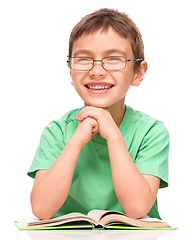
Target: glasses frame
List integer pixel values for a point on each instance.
(93, 61)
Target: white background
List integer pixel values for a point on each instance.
(35, 88)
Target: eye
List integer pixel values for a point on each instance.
(114, 60)
(83, 60)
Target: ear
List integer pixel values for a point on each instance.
(140, 73)
(71, 78)
(68, 65)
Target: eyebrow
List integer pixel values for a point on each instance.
(82, 51)
(115, 50)
(107, 52)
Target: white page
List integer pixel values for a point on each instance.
(96, 214)
(26, 221)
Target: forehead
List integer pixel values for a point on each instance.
(101, 43)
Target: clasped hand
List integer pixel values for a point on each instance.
(92, 121)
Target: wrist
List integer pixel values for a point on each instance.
(76, 141)
(115, 136)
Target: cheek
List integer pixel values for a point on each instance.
(122, 78)
(77, 77)
(72, 74)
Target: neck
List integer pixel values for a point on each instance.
(117, 112)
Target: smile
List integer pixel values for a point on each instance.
(99, 86)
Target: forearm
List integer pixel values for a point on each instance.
(132, 189)
(51, 190)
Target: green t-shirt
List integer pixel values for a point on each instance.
(147, 141)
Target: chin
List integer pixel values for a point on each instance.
(97, 105)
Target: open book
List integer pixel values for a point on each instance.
(94, 219)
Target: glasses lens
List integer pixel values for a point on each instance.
(81, 63)
(114, 63)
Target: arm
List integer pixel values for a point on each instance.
(51, 187)
(136, 192)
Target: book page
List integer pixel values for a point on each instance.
(148, 219)
(70, 215)
(26, 221)
(96, 214)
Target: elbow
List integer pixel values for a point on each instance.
(136, 212)
(41, 211)
(137, 209)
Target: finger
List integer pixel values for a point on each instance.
(91, 112)
(95, 130)
(94, 124)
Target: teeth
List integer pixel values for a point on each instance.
(99, 87)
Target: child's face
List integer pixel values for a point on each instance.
(98, 46)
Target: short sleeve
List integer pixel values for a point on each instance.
(50, 146)
(152, 157)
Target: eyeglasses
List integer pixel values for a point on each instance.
(108, 63)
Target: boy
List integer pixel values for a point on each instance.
(105, 155)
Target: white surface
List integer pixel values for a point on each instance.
(35, 89)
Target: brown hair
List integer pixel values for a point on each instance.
(105, 18)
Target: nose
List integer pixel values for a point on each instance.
(98, 71)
